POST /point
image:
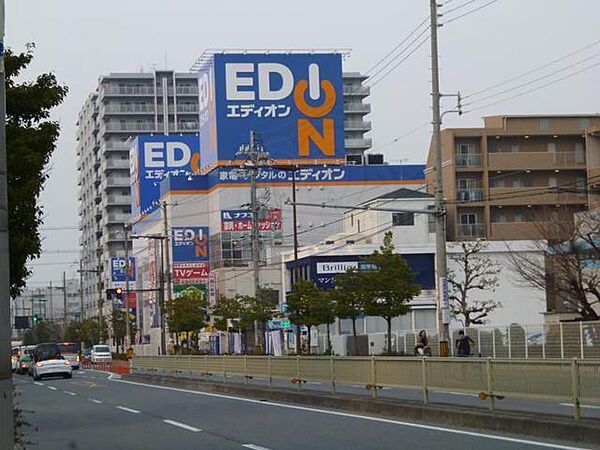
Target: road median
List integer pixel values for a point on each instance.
(554, 428)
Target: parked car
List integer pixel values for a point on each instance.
(100, 354)
(48, 361)
(86, 355)
(25, 362)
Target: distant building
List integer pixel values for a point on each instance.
(499, 178)
(47, 302)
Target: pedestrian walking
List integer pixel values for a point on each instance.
(463, 344)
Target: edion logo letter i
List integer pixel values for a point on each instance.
(240, 87)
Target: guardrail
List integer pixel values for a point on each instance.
(576, 381)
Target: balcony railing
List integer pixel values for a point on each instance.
(357, 90)
(472, 160)
(121, 108)
(357, 107)
(469, 195)
(118, 200)
(117, 145)
(516, 230)
(470, 230)
(131, 126)
(357, 124)
(187, 90)
(128, 90)
(117, 182)
(358, 143)
(536, 160)
(536, 196)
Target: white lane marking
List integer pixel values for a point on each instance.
(181, 425)
(581, 406)
(464, 394)
(37, 383)
(356, 416)
(123, 408)
(97, 402)
(52, 387)
(69, 393)
(314, 382)
(255, 447)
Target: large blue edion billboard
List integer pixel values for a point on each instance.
(153, 157)
(190, 244)
(294, 102)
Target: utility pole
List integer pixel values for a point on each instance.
(440, 231)
(51, 302)
(6, 386)
(65, 316)
(81, 290)
(161, 300)
(126, 229)
(255, 158)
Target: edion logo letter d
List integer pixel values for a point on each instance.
(240, 87)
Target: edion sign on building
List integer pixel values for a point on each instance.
(294, 102)
(190, 244)
(153, 157)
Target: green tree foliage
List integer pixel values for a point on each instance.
(41, 332)
(326, 312)
(350, 296)
(88, 331)
(304, 307)
(228, 309)
(186, 313)
(30, 141)
(389, 288)
(118, 321)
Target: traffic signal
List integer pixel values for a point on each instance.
(35, 319)
(118, 291)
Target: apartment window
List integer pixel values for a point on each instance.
(544, 124)
(403, 219)
(552, 182)
(517, 183)
(468, 218)
(518, 217)
(496, 183)
(466, 183)
(431, 222)
(552, 147)
(351, 220)
(584, 123)
(579, 153)
(515, 148)
(500, 217)
(465, 149)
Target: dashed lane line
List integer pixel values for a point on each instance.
(255, 447)
(52, 387)
(97, 402)
(37, 383)
(181, 425)
(123, 408)
(69, 393)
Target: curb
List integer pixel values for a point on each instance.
(543, 426)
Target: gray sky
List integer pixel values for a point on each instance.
(81, 39)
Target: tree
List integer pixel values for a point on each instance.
(228, 308)
(326, 312)
(566, 273)
(476, 272)
(303, 308)
(350, 296)
(389, 288)
(30, 141)
(186, 313)
(86, 331)
(118, 321)
(41, 332)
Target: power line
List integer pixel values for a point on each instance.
(457, 7)
(402, 136)
(527, 83)
(534, 89)
(469, 12)
(535, 69)
(395, 66)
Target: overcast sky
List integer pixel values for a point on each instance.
(80, 39)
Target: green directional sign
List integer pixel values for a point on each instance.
(285, 323)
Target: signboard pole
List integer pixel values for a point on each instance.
(126, 229)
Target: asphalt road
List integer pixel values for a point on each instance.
(92, 412)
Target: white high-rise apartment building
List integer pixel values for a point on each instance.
(125, 105)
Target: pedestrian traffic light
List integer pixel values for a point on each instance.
(34, 319)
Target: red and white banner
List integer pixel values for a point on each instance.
(191, 273)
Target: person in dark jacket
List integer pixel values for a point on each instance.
(463, 344)
(422, 348)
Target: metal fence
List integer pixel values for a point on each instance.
(576, 381)
(547, 341)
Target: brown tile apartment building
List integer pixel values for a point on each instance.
(498, 178)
